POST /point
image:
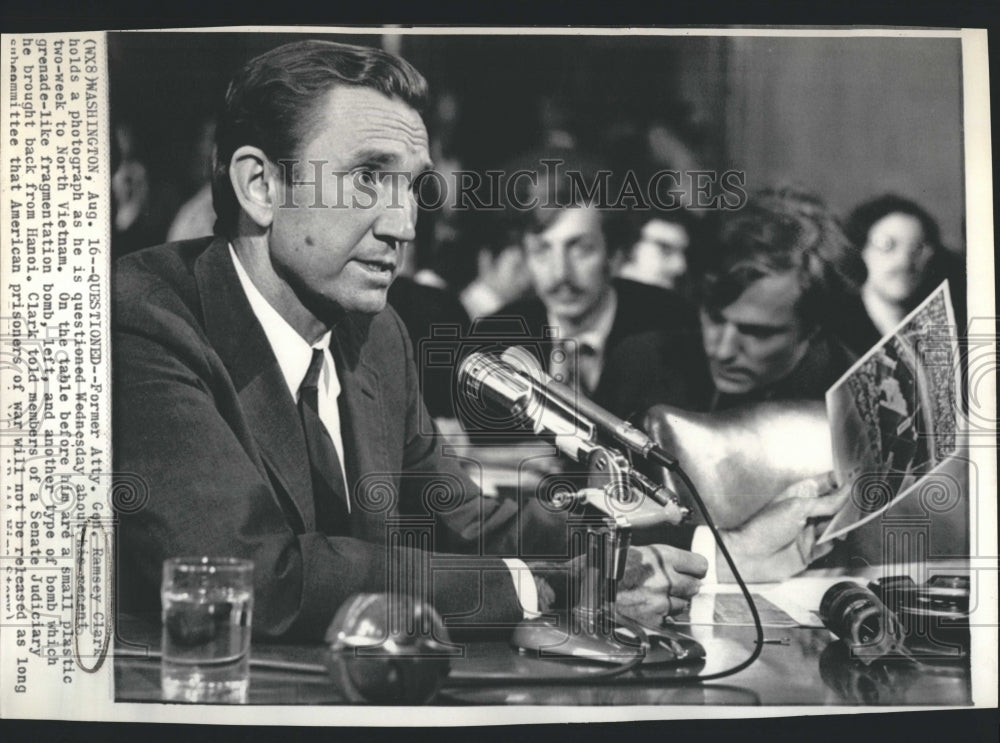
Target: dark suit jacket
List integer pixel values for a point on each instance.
(648, 369)
(202, 414)
(640, 308)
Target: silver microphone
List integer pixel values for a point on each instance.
(619, 430)
(487, 379)
(516, 384)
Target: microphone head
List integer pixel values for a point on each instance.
(522, 361)
(491, 393)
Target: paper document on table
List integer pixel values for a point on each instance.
(731, 609)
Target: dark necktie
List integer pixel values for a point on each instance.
(329, 493)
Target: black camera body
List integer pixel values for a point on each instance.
(897, 616)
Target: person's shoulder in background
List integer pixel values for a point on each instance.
(850, 324)
(643, 307)
(434, 319)
(424, 308)
(651, 368)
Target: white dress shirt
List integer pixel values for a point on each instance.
(293, 355)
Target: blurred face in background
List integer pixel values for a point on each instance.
(507, 272)
(758, 339)
(570, 265)
(896, 256)
(660, 255)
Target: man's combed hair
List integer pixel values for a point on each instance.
(563, 179)
(778, 231)
(275, 103)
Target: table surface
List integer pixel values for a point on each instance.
(801, 666)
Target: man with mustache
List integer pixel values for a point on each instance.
(267, 397)
(580, 313)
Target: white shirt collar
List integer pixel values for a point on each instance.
(290, 348)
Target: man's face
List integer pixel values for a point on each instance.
(569, 264)
(338, 244)
(896, 256)
(661, 252)
(758, 339)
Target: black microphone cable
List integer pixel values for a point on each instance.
(657, 455)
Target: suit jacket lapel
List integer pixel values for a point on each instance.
(270, 411)
(362, 421)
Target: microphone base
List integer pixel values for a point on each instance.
(617, 645)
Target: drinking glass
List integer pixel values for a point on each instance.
(207, 608)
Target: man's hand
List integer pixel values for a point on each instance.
(780, 540)
(659, 580)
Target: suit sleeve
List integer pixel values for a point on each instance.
(177, 427)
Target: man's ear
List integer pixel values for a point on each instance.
(255, 184)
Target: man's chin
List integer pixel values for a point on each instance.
(567, 311)
(330, 310)
(369, 305)
(732, 385)
(899, 290)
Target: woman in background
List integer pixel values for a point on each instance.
(900, 245)
(663, 246)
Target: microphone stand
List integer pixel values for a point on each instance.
(601, 536)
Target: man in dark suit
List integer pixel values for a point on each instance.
(580, 313)
(572, 256)
(269, 399)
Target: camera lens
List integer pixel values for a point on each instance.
(856, 616)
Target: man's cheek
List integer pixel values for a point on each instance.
(778, 361)
(541, 283)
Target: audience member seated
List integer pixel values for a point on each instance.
(904, 260)
(659, 255)
(427, 311)
(501, 274)
(142, 204)
(766, 287)
(196, 217)
(580, 313)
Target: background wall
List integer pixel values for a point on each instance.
(845, 117)
(851, 118)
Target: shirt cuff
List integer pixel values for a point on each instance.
(703, 543)
(524, 585)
